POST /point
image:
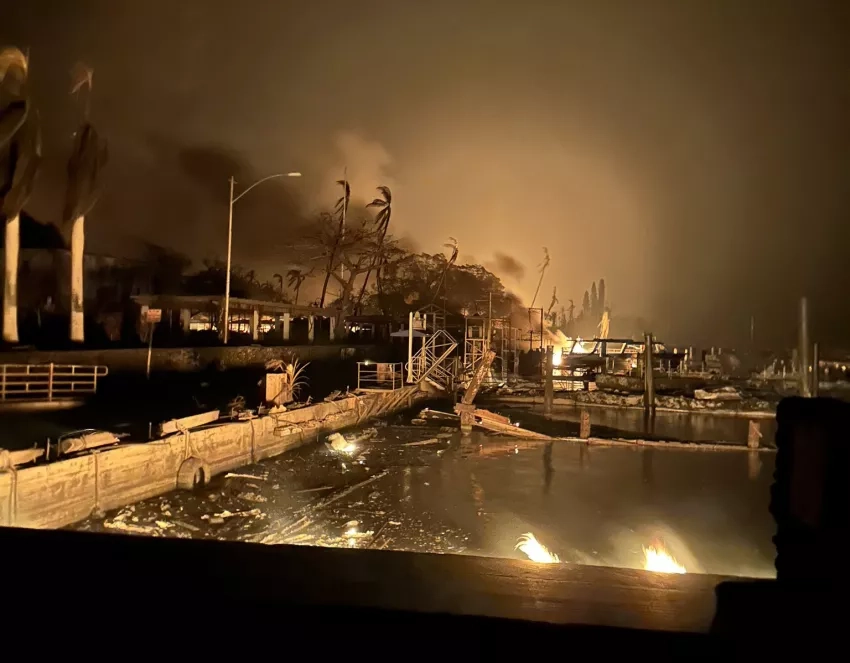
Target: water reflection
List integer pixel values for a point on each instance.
(548, 470)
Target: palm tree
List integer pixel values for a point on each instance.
(452, 244)
(341, 208)
(295, 277)
(88, 158)
(20, 154)
(382, 224)
(543, 267)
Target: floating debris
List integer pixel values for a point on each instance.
(234, 475)
(432, 440)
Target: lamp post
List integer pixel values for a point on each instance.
(230, 243)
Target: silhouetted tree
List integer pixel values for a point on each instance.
(294, 278)
(382, 223)
(594, 301)
(585, 304)
(602, 303)
(341, 209)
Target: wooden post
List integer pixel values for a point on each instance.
(287, 319)
(815, 374)
(150, 350)
(549, 385)
(50, 381)
(804, 349)
(584, 430)
(410, 347)
(648, 378)
(311, 328)
(754, 435)
(255, 324)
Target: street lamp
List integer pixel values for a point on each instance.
(230, 243)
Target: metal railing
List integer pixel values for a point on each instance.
(379, 376)
(48, 382)
(427, 362)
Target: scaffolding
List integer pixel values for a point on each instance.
(535, 338)
(497, 334)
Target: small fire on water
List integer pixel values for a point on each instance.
(536, 551)
(657, 559)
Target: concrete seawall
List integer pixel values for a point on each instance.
(192, 359)
(64, 492)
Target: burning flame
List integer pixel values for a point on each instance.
(657, 559)
(557, 353)
(535, 551)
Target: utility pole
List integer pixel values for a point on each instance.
(803, 354)
(815, 362)
(226, 334)
(548, 385)
(226, 321)
(648, 377)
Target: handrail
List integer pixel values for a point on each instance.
(48, 381)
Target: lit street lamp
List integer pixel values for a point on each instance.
(230, 243)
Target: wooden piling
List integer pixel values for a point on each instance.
(584, 430)
(754, 435)
(815, 373)
(648, 378)
(803, 354)
(549, 384)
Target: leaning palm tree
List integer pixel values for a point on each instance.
(543, 266)
(382, 224)
(451, 261)
(341, 209)
(20, 154)
(88, 158)
(295, 277)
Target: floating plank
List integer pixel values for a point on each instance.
(187, 423)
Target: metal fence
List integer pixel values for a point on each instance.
(48, 382)
(386, 377)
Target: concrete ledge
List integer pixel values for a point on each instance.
(58, 494)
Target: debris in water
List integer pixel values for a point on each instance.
(430, 440)
(536, 551)
(313, 490)
(234, 475)
(418, 422)
(253, 497)
(339, 444)
(657, 559)
(133, 529)
(187, 526)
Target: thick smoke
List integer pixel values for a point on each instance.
(506, 266)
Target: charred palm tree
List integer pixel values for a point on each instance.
(20, 154)
(88, 158)
(382, 224)
(294, 278)
(451, 261)
(341, 209)
(543, 266)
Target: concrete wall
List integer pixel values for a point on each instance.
(61, 493)
(191, 359)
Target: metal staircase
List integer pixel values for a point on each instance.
(432, 362)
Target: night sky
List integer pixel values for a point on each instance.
(694, 154)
